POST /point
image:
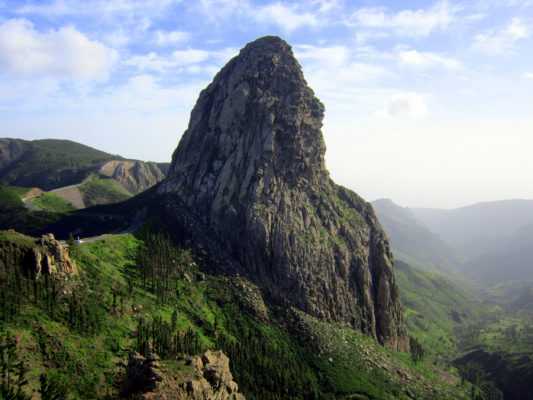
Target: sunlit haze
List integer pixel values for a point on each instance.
(427, 102)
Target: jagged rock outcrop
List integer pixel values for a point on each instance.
(251, 167)
(51, 257)
(206, 377)
(212, 378)
(135, 176)
(35, 257)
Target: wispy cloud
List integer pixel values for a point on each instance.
(288, 18)
(178, 58)
(426, 59)
(102, 7)
(216, 11)
(340, 79)
(502, 41)
(528, 75)
(163, 38)
(408, 23)
(409, 104)
(63, 53)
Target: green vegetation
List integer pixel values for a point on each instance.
(417, 350)
(435, 310)
(451, 327)
(14, 215)
(50, 201)
(50, 164)
(103, 191)
(145, 293)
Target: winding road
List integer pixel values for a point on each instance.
(29, 205)
(136, 223)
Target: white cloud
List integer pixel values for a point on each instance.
(406, 22)
(62, 53)
(410, 104)
(286, 17)
(426, 60)
(326, 5)
(528, 75)
(328, 56)
(502, 41)
(336, 68)
(341, 79)
(101, 7)
(216, 11)
(165, 38)
(178, 58)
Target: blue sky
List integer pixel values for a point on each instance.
(427, 102)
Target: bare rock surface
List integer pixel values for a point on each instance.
(205, 377)
(251, 167)
(135, 176)
(52, 258)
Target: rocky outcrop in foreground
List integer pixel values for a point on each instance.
(205, 377)
(52, 258)
(251, 167)
(36, 257)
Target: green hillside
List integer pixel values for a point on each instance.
(50, 201)
(435, 310)
(75, 332)
(49, 163)
(14, 215)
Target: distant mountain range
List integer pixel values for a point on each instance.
(479, 227)
(490, 243)
(51, 163)
(78, 175)
(413, 242)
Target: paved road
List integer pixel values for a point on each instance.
(136, 223)
(28, 203)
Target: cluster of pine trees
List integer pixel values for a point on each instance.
(266, 371)
(160, 265)
(480, 389)
(163, 338)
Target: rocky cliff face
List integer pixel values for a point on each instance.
(251, 167)
(135, 176)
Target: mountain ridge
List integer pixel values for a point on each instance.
(53, 163)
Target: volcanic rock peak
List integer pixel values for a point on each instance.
(251, 167)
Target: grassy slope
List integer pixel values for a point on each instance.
(50, 201)
(85, 362)
(434, 309)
